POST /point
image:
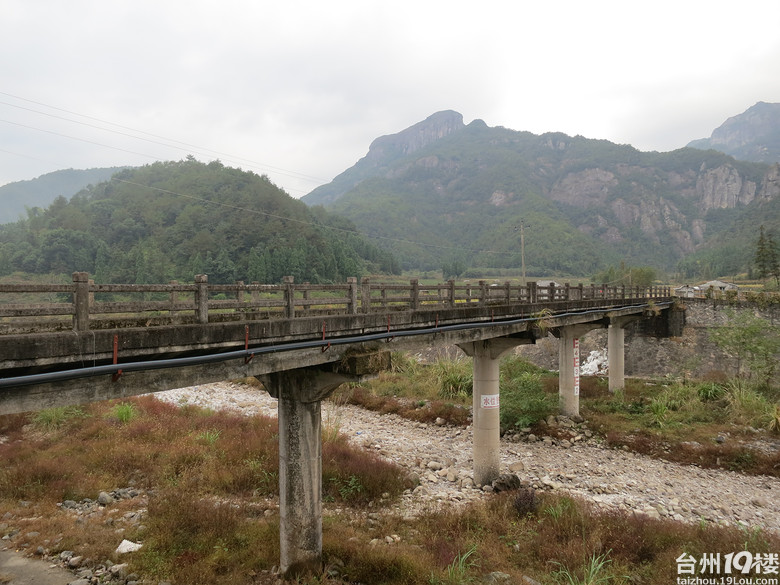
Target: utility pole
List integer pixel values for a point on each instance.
(522, 250)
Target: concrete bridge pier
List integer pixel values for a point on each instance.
(616, 351)
(300, 393)
(569, 366)
(486, 424)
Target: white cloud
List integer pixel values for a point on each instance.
(305, 86)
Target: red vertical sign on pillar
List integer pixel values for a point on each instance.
(576, 366)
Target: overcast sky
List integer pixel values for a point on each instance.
(298, 89)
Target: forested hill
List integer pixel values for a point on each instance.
(465, 194)
(173, 220)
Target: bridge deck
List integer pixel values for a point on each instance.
(48, 349)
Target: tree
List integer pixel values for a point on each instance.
(766, 257)
(774, 263)
(453, 269)
(751, 341)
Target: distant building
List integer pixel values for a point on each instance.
(719, 286)
(687, 291)
(547, 283)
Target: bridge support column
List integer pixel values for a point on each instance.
(300, 393)
(486, 423)
(569, 367)
(616, 351)
(616, 357)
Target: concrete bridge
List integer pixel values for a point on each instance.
(82, 342)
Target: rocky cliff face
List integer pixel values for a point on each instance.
(443, 181)
(753, 135)
(388, 148)
(629, 197)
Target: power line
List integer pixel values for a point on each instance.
(79, 139)
(155, 138)
(254, 211)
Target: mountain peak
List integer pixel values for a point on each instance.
(386, 149)
(420, 135)
(751, 135)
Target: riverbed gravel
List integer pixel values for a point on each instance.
(440, 456)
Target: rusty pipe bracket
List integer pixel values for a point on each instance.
(115, 376)
(249, 357)
(324, 348)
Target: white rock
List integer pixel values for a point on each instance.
(127, 546)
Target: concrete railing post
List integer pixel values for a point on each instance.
(305, 294)
(451, 290)
(172, 297)
(532, 292)
(240, 298)
(80, 301)
(415, 294)
(483, 293)
(202, 298)
(352, 307)
(365, 295)
(289, 296)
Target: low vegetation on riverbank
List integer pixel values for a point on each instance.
(203, 488)
(722, 424)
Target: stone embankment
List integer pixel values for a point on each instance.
(440, 456)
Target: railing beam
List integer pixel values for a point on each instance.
(80, 301)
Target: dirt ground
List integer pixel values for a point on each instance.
(16, 569)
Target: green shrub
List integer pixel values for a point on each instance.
(404, 363)
(524, 401)
(747, 406)
(710, 391)
(454, 377)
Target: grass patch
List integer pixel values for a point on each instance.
(57, 417)
(124, 412)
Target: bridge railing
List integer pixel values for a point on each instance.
(84, 305)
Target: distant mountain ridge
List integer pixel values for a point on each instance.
(17, 197)
(441, 189)
(753, 135)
